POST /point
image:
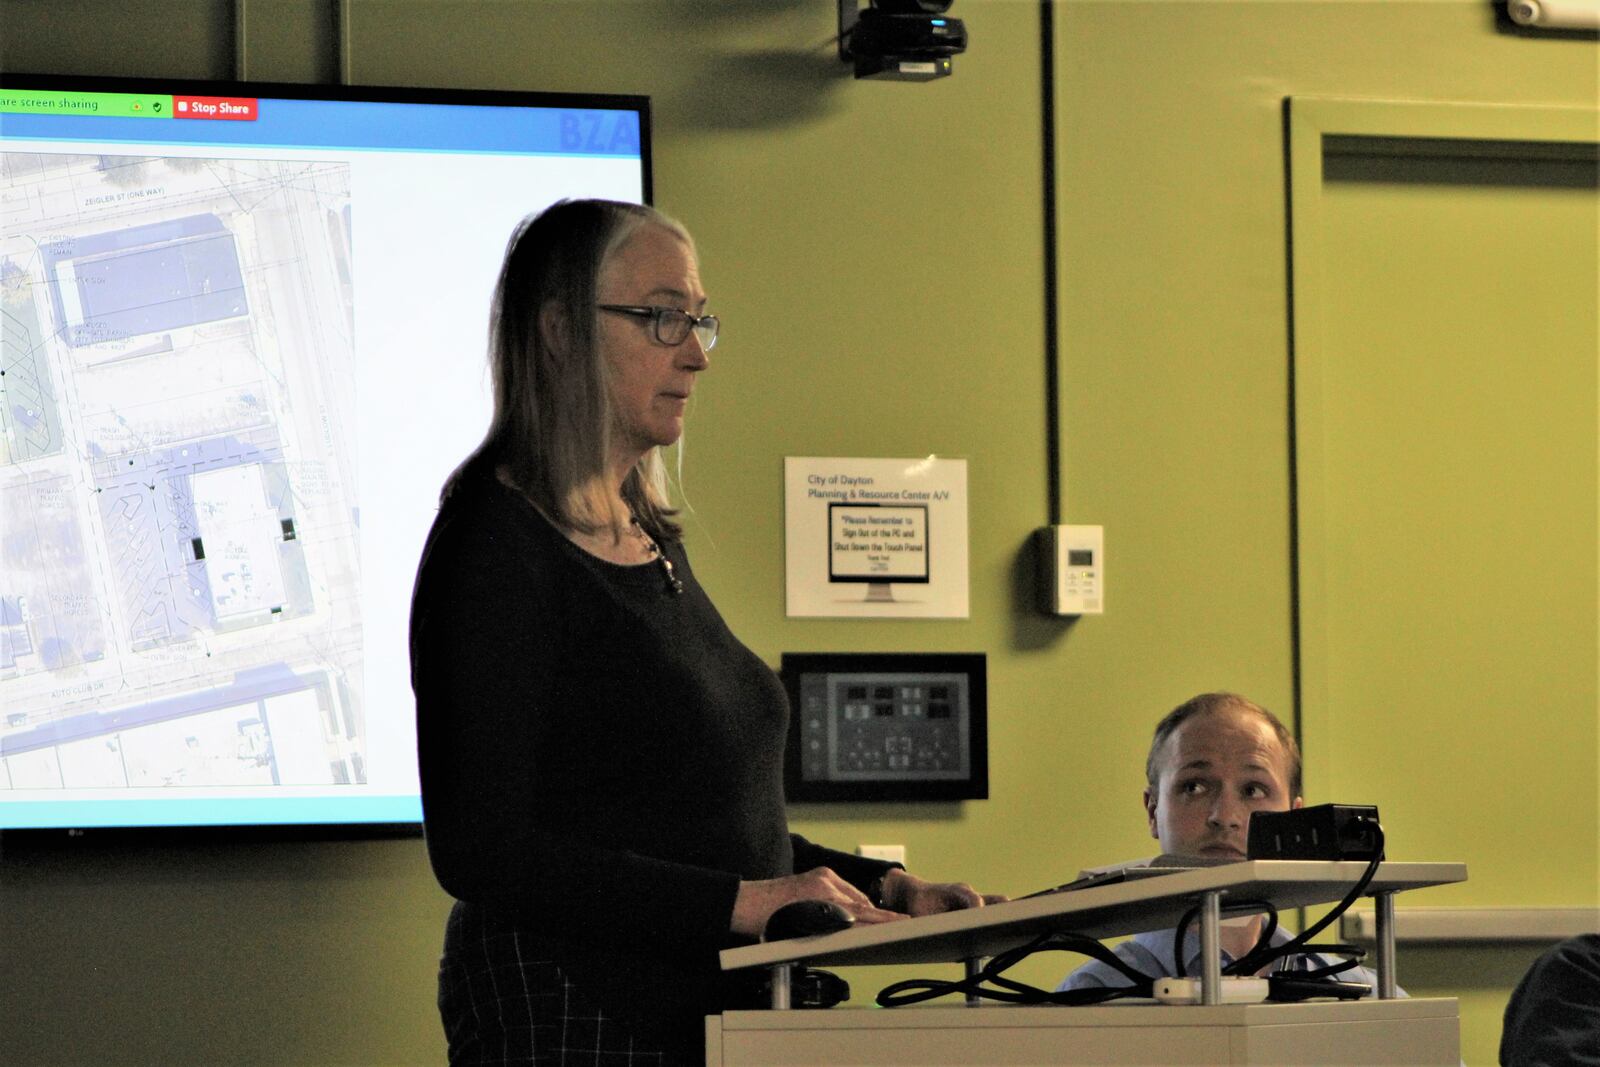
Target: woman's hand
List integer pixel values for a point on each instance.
(758, 900)
(905, 892)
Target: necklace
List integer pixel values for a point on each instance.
(674, 583)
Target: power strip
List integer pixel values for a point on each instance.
(1234, 990)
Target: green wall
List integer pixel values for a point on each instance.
(876, 252)
(1176, 373)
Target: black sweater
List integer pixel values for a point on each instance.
(601, 760)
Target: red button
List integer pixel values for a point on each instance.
(214, 107)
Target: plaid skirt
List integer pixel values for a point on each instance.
(503, 1004)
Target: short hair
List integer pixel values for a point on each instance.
(1210, 703)
(551, 429)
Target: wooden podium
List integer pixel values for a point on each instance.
(1383, 1030)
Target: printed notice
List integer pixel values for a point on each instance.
(876, 538)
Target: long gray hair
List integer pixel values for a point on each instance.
(551, 432)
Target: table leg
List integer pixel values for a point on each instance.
(1211, 948)
(973, 965)
(1388, 986)
(780, 985)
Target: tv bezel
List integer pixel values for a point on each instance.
(395, 94)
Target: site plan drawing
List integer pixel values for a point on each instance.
(179, 568)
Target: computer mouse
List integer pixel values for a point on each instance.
(806, 918)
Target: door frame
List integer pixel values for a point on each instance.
(1309, 122)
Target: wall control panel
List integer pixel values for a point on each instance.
(1073, 564)
(885, 726)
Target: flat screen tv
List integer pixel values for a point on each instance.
(242, 333)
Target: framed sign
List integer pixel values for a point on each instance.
(875, 538)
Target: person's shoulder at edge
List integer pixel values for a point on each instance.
(482, 516)
(1142, 952)
(474, 491)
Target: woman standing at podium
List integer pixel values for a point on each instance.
(601, 758)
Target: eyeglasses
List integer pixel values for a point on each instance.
(673, 324)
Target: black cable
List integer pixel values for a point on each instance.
(1330, 970)
(1257, 958)
(917, 990)
(1051, 256)
(1263, 952)
(1180, 970)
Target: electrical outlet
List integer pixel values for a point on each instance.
(888, 853)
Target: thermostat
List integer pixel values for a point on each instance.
(1073, 565)
(886, 726)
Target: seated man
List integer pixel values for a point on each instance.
(1215, 759)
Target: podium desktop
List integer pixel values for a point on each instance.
(1383, 1030)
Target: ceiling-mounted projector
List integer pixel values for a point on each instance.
(903, 40)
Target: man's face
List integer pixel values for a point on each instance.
(1215, 770)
